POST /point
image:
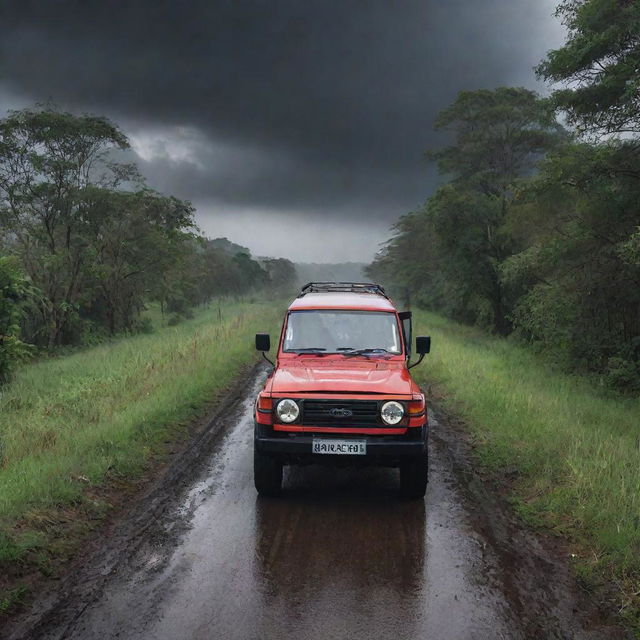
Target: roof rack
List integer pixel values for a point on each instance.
(342, 287)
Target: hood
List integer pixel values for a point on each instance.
(345, 375)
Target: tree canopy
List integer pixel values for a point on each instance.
(93, 243)
(534, 232)
(461, 234)
(598, 65)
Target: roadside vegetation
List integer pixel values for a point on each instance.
(568, 449)
(534, 235)
(129, 317)
(535, 231)
(68, 425)
(86, 246)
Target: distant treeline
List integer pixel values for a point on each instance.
(535, 231)
(85, 245)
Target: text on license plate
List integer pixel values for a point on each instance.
(340, 447)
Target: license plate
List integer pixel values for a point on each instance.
(340, 447)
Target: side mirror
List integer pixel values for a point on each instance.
(423, 345)
(263, 342)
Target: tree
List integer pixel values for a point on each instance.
(95, 243)
(409, 263)
(534, 231)
(135, 239)
(580, 271)
(498, 137)
(598, 65)
(281, 274)
(218, 273)
(248, 273)
(50, 163)
(12, 292)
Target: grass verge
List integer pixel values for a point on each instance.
(574, 449)
(69, 424)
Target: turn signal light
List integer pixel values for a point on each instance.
(416, 407)
(265, 403)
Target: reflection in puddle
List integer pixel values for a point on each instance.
(339, 545)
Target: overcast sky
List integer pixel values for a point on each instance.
(296, 127)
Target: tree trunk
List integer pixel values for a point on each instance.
(501, 324)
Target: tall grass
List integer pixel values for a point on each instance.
(67, 422)
(576, 447)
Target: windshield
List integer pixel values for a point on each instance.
(334, 331)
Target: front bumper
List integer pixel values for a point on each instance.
(381, 450)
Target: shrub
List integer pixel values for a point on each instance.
(12, 292)
(623, 375)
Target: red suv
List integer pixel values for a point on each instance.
(340, 392)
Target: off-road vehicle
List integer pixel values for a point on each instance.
(340, 392)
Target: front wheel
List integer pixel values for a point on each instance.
(267, 474)
(413, 478)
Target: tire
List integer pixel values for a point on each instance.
(413, 478)
(267, 474)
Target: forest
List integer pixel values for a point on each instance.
(534, 231)
(86, 246)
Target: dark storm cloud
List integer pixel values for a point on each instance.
(293, 104)
(248, 177)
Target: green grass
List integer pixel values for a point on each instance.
(12, 598)
(576, 447)
(68, 423)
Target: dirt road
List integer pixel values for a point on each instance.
(338, 556)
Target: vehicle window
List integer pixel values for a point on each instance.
(335, 331)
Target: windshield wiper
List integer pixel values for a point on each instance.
(317, 350)
(363, 352)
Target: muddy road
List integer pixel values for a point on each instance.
(338, 556)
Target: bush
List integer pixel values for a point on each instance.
(623, 375)
(143, 325)
(12, 292)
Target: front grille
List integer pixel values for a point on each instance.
(327, 413)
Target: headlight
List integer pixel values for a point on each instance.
(392, 412)
(287, 410)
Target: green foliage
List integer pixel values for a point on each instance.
(225, 245)
(281, 273)
(212, 268)
(410, 264)
(598, 65)
(624, 374)
(497, 137)
(451, 251)
(581, 272)
(573, 445)
(249, 272)
(12, 293)
(534, 233)
(134, 238)
(98, 245)
(12, 598)
(51, 166)
(70, 422)
(629, 251)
